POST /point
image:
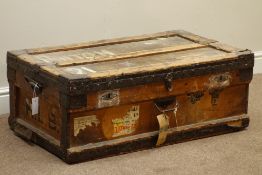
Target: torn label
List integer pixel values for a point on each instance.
(127, 124)
(81, 123)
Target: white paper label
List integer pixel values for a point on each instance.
(35, 105)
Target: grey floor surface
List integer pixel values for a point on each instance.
(236, 153)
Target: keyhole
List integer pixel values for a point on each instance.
(108, 96)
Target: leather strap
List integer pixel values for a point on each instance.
(163, 121)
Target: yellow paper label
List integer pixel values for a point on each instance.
(127, 124)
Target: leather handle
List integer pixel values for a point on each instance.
(165, 106)
(163, 121)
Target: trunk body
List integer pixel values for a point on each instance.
(103, 98)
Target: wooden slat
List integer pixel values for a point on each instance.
(157, 67)
(130, 55)
(100, 43)
(38, 131)
(182, 33)
(225, 47)
(51, 70)
(146, 68)
(194, 38)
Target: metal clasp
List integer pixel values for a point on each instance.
(195, 96)
(216, 84)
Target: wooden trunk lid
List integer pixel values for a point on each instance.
(108, 64)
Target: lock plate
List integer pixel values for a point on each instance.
(219, 81)
(108, 98)
(216, 85)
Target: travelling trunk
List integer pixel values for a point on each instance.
(97, 99)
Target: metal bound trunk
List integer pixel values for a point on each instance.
(109, 97)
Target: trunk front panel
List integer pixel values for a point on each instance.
(134, 110)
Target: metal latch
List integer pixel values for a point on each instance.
(195, 96)
(168, 82)
(216, 84)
